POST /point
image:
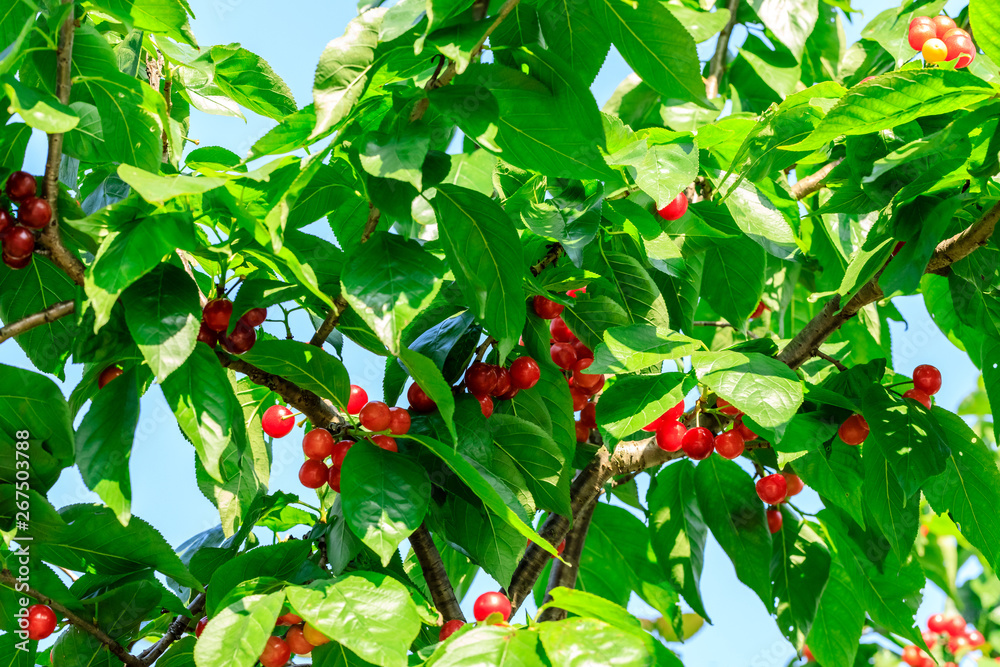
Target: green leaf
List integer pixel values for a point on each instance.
(656, 45)
(633, 401)
(800, 567)
(40, 110)
(639, 346)
(261, 293)
(586, 604)
(636, 290)
(902, 97)
(490, 542)
(162, 313)
(371, 614)
(591, 316)
(235, 637)
(840, 618)
(736, 272)
(969, 488)
(389, 281)
(677, 530)
(344, 70)
(385, 497)
(765, 389)
(761, 220)
(985, 19)
(179, 654)
(246, 78)
(482, 248)
(791, 21)
(426, 374)
(493, 645)
(538, 457)
(168, 17)
(578, 641)
(305, 365)
(279, 561)
(104, 443)
(887, 507)
(662, 163)
(157, 189)
(399, 155)
(573, 30)
(837, 477)
(206, 408)
(735, 515)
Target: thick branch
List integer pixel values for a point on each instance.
(50, 237)
(963, 244)
(174, 632)
(330, 323)
(813, 182)
(114, 647)
(564, 572)
(50, 314)
(435, 575)
(718, 64)
(319, 412)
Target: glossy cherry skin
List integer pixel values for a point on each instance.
(340, 450)
(216, 314)
(670, 435)
(505, 383)
(582, 351)
(698, 443)
(419, 400)
(774, 520)
(956, 625)
(317, 444)
(747, 434)
(729, 444)
(588, 416)
(563, 355)
(772, 489)
(918, 396)
(975, 638)
(921, 29)
(333, 478)
(277, 421)
(960, 47)
(524, 373)
(927, 379)
(200, 628)
(758, 311)
(241, 340)
(560, 332)
(573, 293)
(107, 375)
(583, 379)
(546, 309)
(254, 317)
(375, 416)
(358, 400)
(34, 213)
(41, 621)
(313, 474)
(16, 264)
(399, 421)
(6, 220)
(450, 628)
(938, 623)
(676, 209)
(582, 431)
(480, 379)
(485, 405)
(794, 483)
(723, 406)
(385, 442)
(934, 50)
(297, 642)
(20, 186)
(943, 25)
(489, 603)
(18, 243)
(276, 652)
(673, 414)
(912, 656)
(208, 336)
(854, 430)
(288, 619)
(314, 636)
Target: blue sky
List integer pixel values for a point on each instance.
(164, 491)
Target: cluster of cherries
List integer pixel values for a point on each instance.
(926, 383)
(215, 318)
(32, 213)
(40, 621)
(489, 381)
(940, 39)
(300, 639)
(952, 632)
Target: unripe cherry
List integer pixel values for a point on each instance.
(277, 421)
(772, 488)
(934, 50)
(698, 443)
(357, 400)
(375, 416)
(314, 636)
(546, 309)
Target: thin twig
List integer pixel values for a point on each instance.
(826, 357)
(174, 632)
(330, 323)
(442, 592)
(482, 349)
(814, 182)
(47, 316)
(718, 65)
(371, 223)
(711, 323)
(555, 252)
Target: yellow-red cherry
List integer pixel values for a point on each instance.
(943, 25)
(314, 636)
(934, 50)
(297, 641)
(921, 29)
(276, 652)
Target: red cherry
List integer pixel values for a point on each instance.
(525, 373)
(490, 603)
(958, 644)
(584, 380)
(546, 309)
(333, 478)
(18, 243)
(560, 332)
(241, 340)
(449, 628)
(357, 400)
(921, 29)
(375, 416)
(975, 638)
(655, 424)
(216, 314)
(927, 379)
(747, 434)
(339, 451)
(419, 400)
(588, 416)
(560, 548)
(297, 642)
(912, 656)
(582, 432)
(774, 520)
(937, 623)
(772, 489)
(670, 435)
(485, 405)
(385, 442)
(899, 246)
(723, 406)
(794, 483)
(317, 444)
(675, 209)
(288, 619)
(208, 336)
(943, 25)
(807, 654)
(918, 396)
(580, 399)
(960, 47)
(759, 310)
(16, 263)
(854, 430)
(591, 391)
(254, 317)
(20, 186)
(41, 621)
(313, 474)
(563, 355)
(277, 421)
(107, 375)
(200, 628)
(505, 383)
(276, 652)
(481, 379)
(929, 638)
(6, 220)
(582, 351)
(399, 421)
(675, 412)
(956, 626)
(947, 664)
(573, 293)
(698, 443)
(729, 444)
(34, 213)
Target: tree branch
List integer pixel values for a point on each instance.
(717, 67)
(114, 647)
(964, 243)
(555, 252)
(826, 357)
(814, 182)
(174, 632)
(331, 321)
(50, 238)
(435, 575)
(564, 572)
(50, 314)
